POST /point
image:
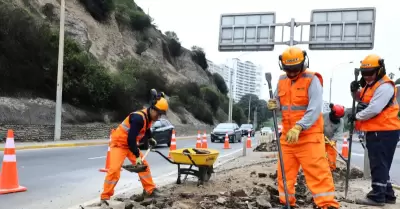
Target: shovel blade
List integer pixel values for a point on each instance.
(135, 168)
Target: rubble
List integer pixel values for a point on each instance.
(267, 147)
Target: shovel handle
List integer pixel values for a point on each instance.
(145, 154)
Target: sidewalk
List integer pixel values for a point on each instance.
(69, 143)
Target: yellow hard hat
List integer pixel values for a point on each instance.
(161, 105)
(371, 62)
(292, 58)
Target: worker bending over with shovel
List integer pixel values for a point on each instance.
(333, 130)
(124, 142)
(376, 115)
(299, 97)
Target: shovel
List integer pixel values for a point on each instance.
(137, 168)
(329, 142)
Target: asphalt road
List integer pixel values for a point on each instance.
(357, 158)
(62, 177)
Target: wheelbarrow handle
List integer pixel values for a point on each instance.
(162, 155)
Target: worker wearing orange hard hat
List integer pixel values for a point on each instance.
(376, 114)
(333, 130)
(124, 142)
(299, 97)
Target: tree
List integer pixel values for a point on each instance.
(172, 35)
(220, 83)
(199, 57)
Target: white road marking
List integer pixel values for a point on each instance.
(92, 158)
(357, 154)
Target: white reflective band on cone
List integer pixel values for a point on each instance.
(10, 143)
(10, 158)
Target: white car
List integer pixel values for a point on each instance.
(265, 130)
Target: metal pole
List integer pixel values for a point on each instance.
(330, 90)
(292, 25)
(231, 94)
(57, 126)
(248, 116)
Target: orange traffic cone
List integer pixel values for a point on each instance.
(9, 175)
(248, 142)
(173, 143)
(226, 143)
(204, 143)
(105, 169)
(345, 148)
(198, 142)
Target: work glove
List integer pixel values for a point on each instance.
(292, 135)
(354, 86)
(139, 161)
(351, 118)
(272, 104)
(152, 142)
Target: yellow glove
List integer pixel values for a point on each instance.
(292, 135)
(272, 104)
(139, 161)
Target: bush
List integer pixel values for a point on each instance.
(200, 110)
(211, 97)
(199, 57)
(220, 83)
(128, 13)
(99, 9)
(141, 47)
(174, 46)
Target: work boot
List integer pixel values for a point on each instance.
(155, 194)
(104, 203)
(367, 201)
(390, 201)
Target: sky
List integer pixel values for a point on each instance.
(197, 23)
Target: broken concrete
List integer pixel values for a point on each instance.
(267, 147)
(247, 186)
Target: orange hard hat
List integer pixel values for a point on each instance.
(371, 62)
(161, 105)
(292, 58)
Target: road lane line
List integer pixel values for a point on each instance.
(357, 154)
(92, 158)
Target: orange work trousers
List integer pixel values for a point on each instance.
(312, 158)
(331, 154)
(117, 158)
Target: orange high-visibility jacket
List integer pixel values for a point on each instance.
(387, 119)
(119, 137)
(293, 100)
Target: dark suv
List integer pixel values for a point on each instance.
(162, 133)
(245, 129)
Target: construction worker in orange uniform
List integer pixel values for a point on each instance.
(333, 130)
(299, 97)
(376, 115)
(124, 142)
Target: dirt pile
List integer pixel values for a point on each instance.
(267, 147)
(249, 187)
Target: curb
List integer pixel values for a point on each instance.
(77, 144)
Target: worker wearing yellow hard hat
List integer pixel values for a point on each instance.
(123, 145)
(299, 97)
(376, 114)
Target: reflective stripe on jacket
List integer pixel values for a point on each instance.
(294, 102)
(387, 119)
(119, 137)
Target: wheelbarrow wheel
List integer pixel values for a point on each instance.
(205, 173)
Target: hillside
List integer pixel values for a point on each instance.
(113, 56)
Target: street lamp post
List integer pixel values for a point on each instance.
(248, 117)
(330, 80)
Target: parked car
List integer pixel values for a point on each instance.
(245, 129)
(232, 129)
(162, 133)
(266, 130)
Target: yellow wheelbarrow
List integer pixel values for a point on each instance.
(203, 159)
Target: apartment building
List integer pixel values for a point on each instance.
(247, 79)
